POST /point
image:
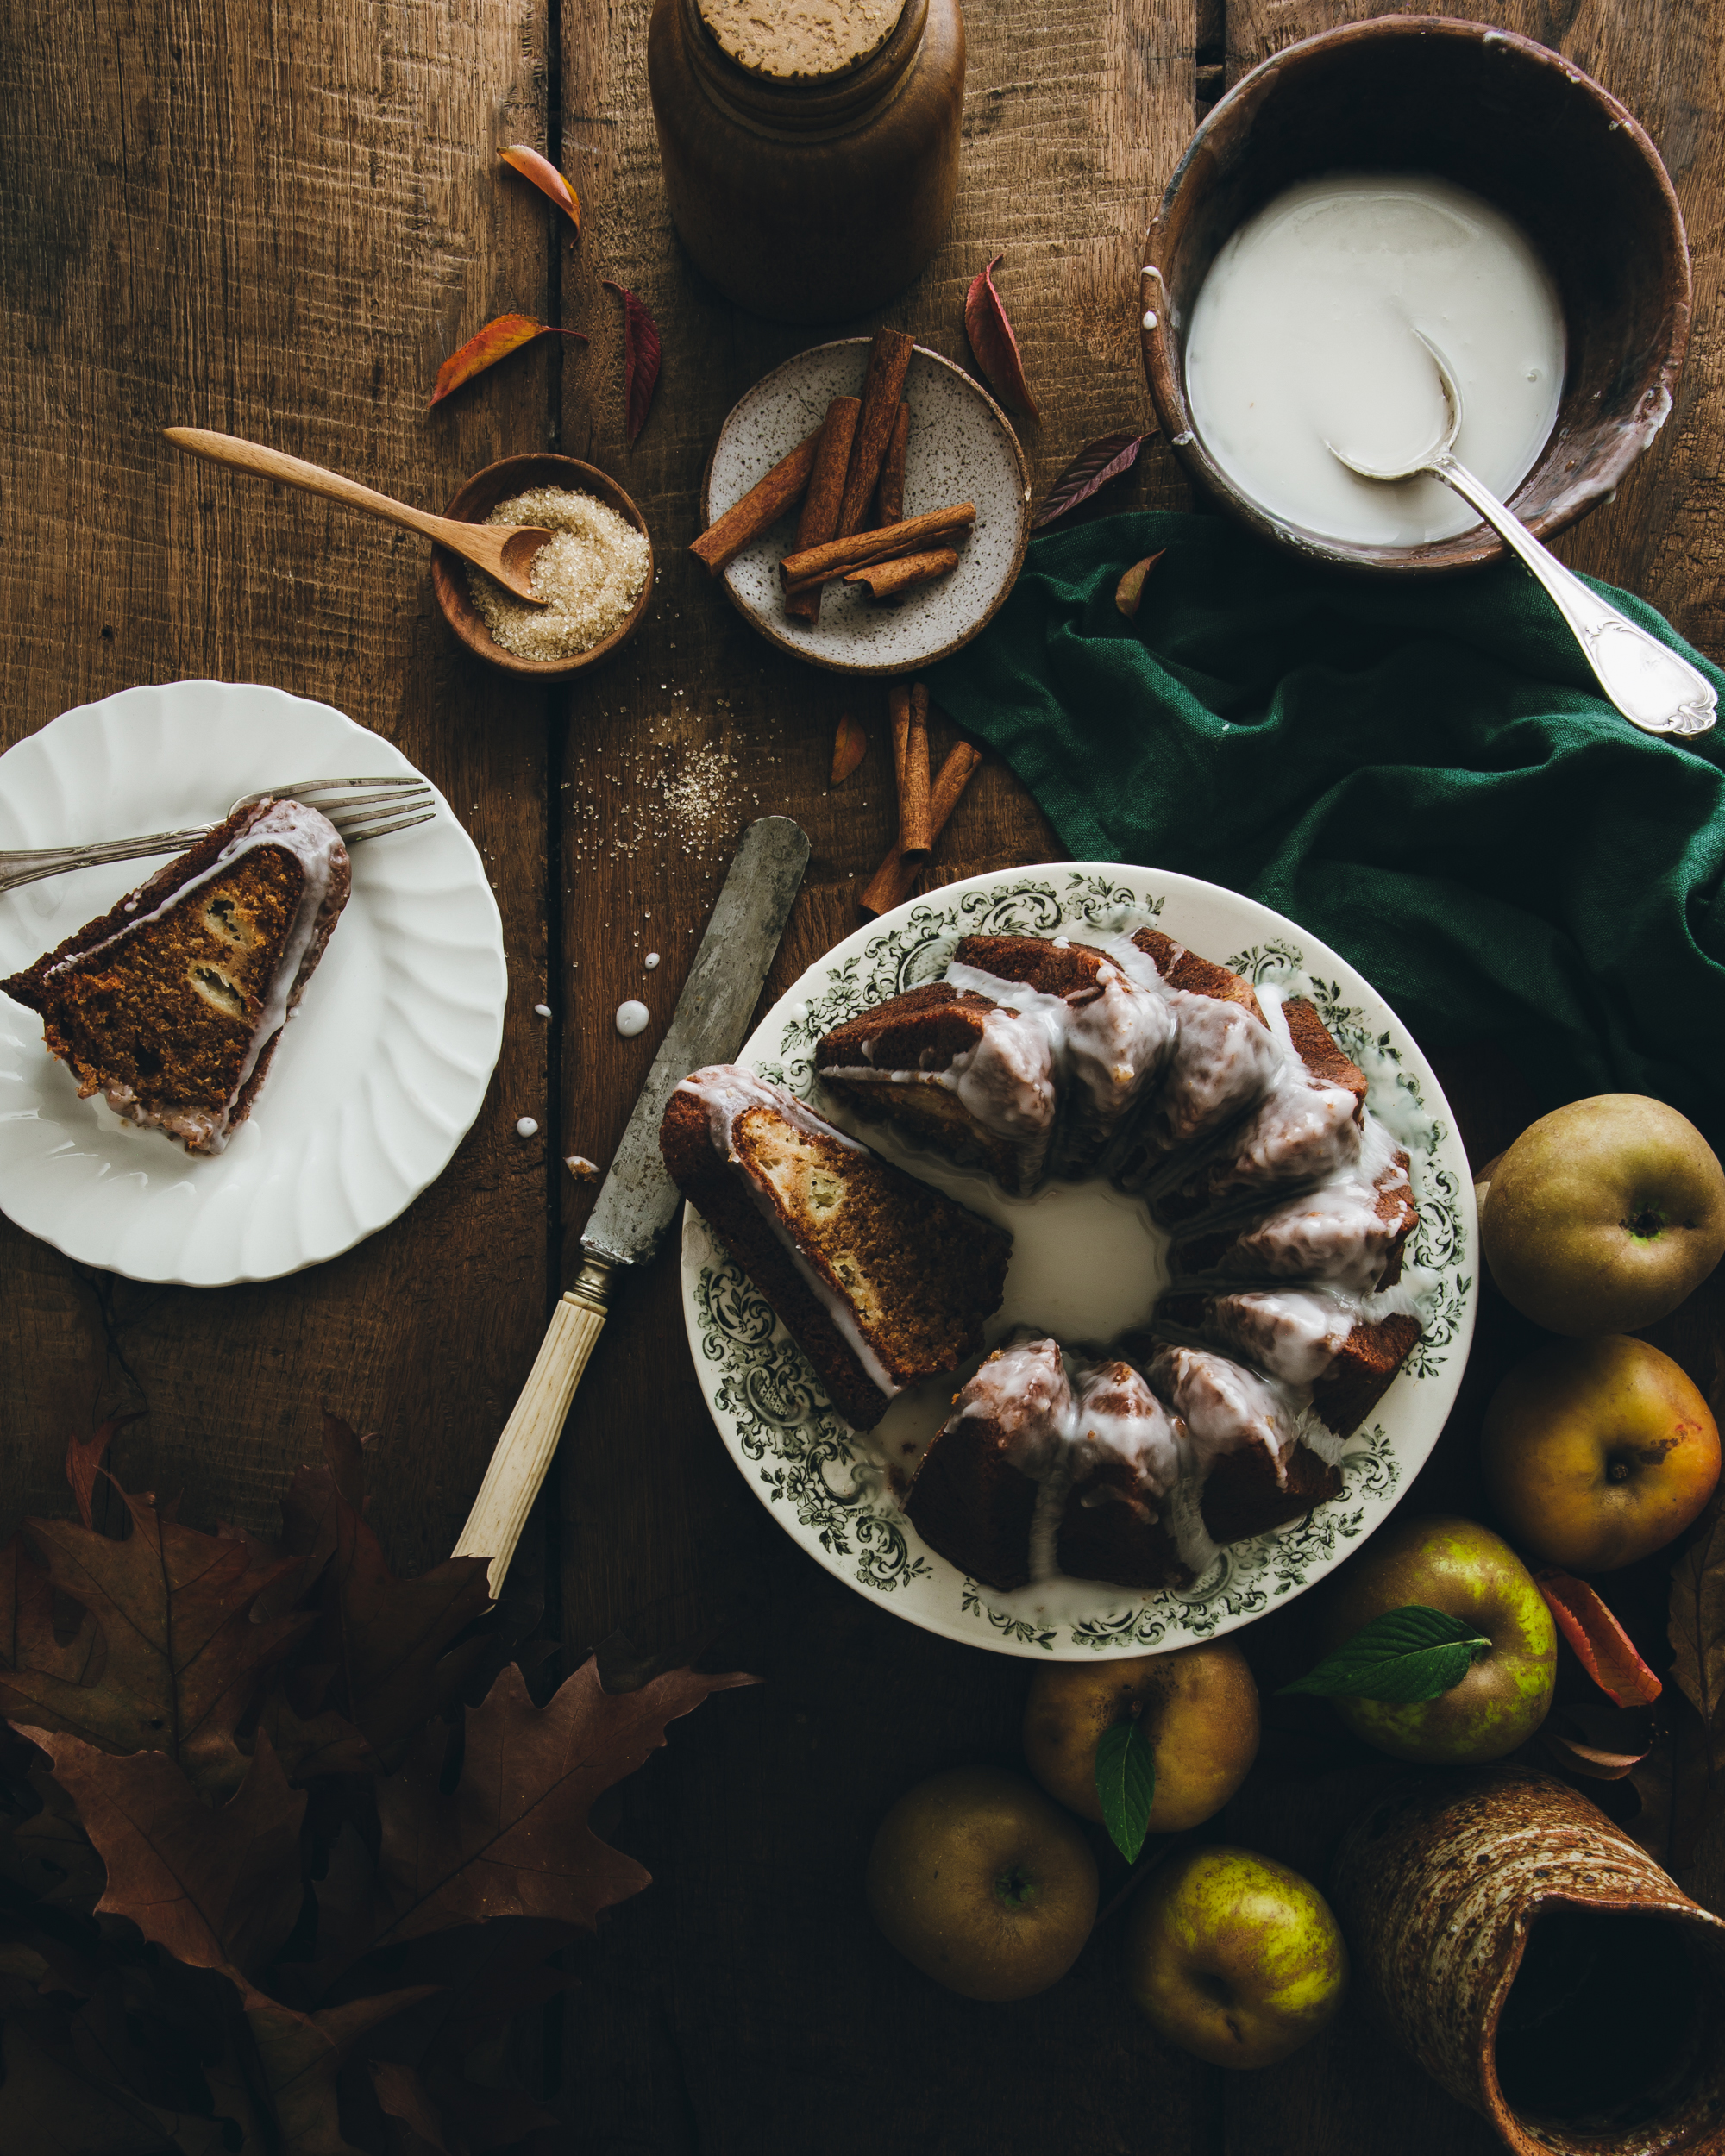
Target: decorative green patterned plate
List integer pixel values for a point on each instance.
(1087, 1262)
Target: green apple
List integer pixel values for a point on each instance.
(984, 1884)
(1466, 1571)
(1234, 1957)
(1604, 1215)
(1197, 1706)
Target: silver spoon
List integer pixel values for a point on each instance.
(1652, 687)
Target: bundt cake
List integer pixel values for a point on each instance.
(172, 1003)
(880, 1280)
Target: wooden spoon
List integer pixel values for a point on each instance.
(501, 550)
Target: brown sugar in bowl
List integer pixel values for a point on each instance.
(1516, 123)
(475, 502)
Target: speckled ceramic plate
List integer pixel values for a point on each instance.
(386, 1062)
(1087, 1262)
(962, 449)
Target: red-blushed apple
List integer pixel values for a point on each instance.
(984, 1884)
(1465, 1570)
(1604, 1215)
(1197, 1706)
(1235, 1958)
(1598, 1452)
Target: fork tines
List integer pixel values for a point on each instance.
(366, 808)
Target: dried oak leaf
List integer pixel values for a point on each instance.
(849, 746)
(546, 178)
(181, 1660)
(512, 1838)
(1602, 1646)
(401, 2095)
(302, 2054)
(84, 1457)
(509, 333)
(1696, 1622)
(1129, 591)
(27, 1640)
(218, 1889)
(1109, 457)
(381, 1642)
(1674, 1785)
(992, 341)
(48, 2108)
(641, 354)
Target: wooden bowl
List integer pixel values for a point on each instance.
(1518, 124)
(474, 503)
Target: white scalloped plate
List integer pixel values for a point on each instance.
(1086, 1264)
(385, 1064)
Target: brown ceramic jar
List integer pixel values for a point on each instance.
(810, 177)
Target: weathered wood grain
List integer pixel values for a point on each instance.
(212, 221)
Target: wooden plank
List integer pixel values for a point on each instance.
(214, 223)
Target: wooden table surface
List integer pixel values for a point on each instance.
(279, 224)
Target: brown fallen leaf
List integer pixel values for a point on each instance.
(509, 333)
(84, 1457)
(27, 1623)
(1129, 591)
(850, 745)
(218, 1889)
(1602, 1646)
(641, 354)
(1098, 462)
(546, 178)
(402, 2094)
(301, 2055)
(1674, 1785)
(1696, 1622)
(992, 341)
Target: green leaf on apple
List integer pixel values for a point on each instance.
(1406, 1655)
(1126, 1783)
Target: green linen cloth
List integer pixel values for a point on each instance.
(1422, 773)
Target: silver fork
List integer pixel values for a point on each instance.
(396, 805)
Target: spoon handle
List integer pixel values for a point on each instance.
(1648, 683)
(312, 479)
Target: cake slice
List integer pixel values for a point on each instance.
(172, 1005)
(1349, 1234)
(1258, 1472)
(880, 1280)
(1345, 1353)
(1126, 1461)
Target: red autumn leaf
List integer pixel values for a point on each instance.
(218, 1889)
(509, 333)
(640, 359)
(84, 1457)
(850, 745)
(992, 340)
(1129, 591)
(1095, 464)
(1604, 1650)
(546, 178)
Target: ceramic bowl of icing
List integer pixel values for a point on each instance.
(1513, 122)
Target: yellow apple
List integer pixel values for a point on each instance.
(1198, 1707)
(1598, 1452)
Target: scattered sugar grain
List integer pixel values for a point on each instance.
(590, 574)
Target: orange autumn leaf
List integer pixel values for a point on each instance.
(1604, 1650)
(546, 178)
(1129, 591)
(849, 747)
(509, 333)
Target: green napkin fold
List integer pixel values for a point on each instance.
(1421, 773)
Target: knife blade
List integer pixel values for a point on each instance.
(638, 1200)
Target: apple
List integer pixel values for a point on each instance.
(1198, 1707)
(1235, 1958)
(982, 1883)
(1598, 1452)
(1467, 1572)
(1604, 1215)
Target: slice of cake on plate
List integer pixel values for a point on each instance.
(1347, 1353)
(172, 1003)
(880, 1280)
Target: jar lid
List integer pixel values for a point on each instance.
(799, 41)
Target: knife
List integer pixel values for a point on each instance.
(638, 1200)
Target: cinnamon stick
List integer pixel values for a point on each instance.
(898, 714)
(889, 359)
(914, 842)
(760, 509)
(890, 885)
(858, 550)
(891, 579)
(889, 493)
(819, 519)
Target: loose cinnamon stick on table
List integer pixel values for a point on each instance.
(819, 565)
(914, 839)
(819, 519)
(889, 493)
(899, 715)
(891, 579)
(891, 882)
(759, 510)
(889, 359)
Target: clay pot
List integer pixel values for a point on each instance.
(1538, 1964)
(812, 200)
